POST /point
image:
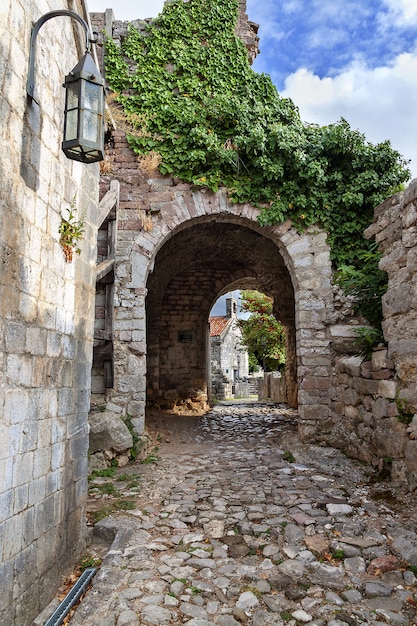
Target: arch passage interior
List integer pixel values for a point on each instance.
(191, 270)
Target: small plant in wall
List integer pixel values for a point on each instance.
(71, 233)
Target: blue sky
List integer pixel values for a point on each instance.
(325, 37)
(355, 59)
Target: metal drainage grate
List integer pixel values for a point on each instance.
(72, 597)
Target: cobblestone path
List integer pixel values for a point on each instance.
(238, 522)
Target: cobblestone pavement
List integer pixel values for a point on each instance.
(238, 522)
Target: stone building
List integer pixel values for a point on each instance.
(228, 357)
(177, 250)
(46, 314)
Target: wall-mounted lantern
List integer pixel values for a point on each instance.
(84, 102)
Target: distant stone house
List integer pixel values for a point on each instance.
(229, 358)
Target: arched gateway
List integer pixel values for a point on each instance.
(170, 269)
(178, 250)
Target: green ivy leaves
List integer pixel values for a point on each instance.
(215, 122)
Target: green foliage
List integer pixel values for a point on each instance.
(107, 488)
(150, 458)
(89, 561)
(404, 416)
(71, 232)
(288, 456)
(339, 554)
(367, 339)
(121, 478)
(117, 505)
(125, 505)
(190, 95)
(263, 336)
(367, 284)
(135, 449)
(285, 616)
(109, 472)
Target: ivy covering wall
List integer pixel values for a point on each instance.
(191, 97)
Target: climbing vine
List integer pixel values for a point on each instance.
(191, 97)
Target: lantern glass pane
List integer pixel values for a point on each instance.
(90, 127)
(71, 125)
(92, 94)
(72, 95)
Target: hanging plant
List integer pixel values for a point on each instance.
(71, 233)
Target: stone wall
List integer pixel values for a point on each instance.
(176, 255)
(46, 317)
(395, 230)
(272, 387)
(375, 401)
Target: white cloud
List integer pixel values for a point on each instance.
(403, 12)
(381, 103)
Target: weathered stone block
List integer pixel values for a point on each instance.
(379, 359)
(351, 412)
(366, 386)
(350, 365)
(108, 432)
(387, 389)
(411, 457)
(379, 408)
(314, 412)
(350, 397)
(407, 370)
(14, 336)
(382, 375)
(410, 193)
(138, 423)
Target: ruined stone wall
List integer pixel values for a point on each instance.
(341, 401)
(375, 401)
(46, 317)
(395, 230)
(351, 405)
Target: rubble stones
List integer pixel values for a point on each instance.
(108, 432)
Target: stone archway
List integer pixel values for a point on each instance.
(167, 279)
(196, 265)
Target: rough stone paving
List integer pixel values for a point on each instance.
(230, 530)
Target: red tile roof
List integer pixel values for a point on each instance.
(217, 325)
